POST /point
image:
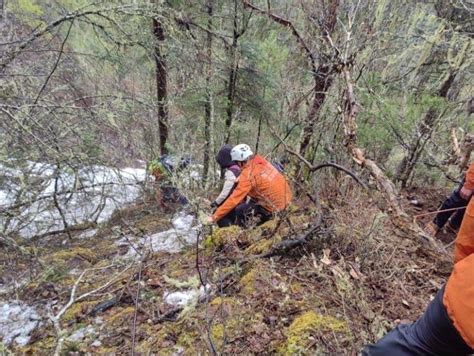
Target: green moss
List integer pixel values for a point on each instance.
(187, 340)
(299, 220)
(247, 282)
(221, 236)
(152, 223)
(293, 208)
(121, 316)
(76, 310)
(192, 282)
(4, 351)
(41, 347)
(217, 332)
(29, 7)
(307, 324)
(61, 258)
(223, 300)
(28, 11)
(53, 274)
(261, 246)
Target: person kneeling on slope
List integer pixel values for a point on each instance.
(447, 326)
(231, 171)
(459, 198)
(268, 189)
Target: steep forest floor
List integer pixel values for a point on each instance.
(354, 281)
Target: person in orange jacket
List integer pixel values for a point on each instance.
(262, 182)
(447, 326)
(459, 198)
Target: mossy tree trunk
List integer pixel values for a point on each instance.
(208, 112)
(161, 76)
(424, 131)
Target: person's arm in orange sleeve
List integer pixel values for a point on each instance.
(240, 192)
(469, 180)
(464, 244)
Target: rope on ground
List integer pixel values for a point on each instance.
(438, 211)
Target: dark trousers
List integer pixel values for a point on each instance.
(245, 214)
(432, 334)
(170, 194)
(453, 201)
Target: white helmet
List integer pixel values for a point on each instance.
(241, 152)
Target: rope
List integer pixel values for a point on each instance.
(439, 211)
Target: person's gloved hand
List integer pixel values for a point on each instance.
(465, 193)
(205, 219)
(214, 204)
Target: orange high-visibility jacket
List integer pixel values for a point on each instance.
(469, 180)
(459, 291)
(262, 182)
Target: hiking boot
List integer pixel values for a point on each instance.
(431, 229)
(451, 228)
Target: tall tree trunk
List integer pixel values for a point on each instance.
(232, 79)
(322, 74)
(208, 104)
(161, 85)
(424, 131)
(322, 81)
(398, 216)
(425, 128)
(2, 9)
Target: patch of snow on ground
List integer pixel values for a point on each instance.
(90, 194)
(87, 234)
(182, 298)
(81, 334)
(173, 240)
(17, 321)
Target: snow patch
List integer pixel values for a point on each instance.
(91, 193)
(17, 321)
(87, 234)
(183, 298)
(173, 240)
(81, 334)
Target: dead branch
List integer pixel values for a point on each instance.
(137, 298)
(314, 168)
(456, 148)
(289, 24)
(73, 299)
(284, 246)
(68, 230)
(399, 217)
(467, 146)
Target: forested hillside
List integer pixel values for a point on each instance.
(367, 106)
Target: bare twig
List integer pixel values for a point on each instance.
(137, 298)
(73, 299)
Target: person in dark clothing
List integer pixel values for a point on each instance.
(432, 334)
(249, 212)
(162, 170)
(231, 172)
(281, 164)
(447, 326)
(459, 198)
